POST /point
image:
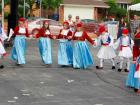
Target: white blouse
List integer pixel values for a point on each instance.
(47, 32)
(22, 30)
(78, 34)
(65, 32)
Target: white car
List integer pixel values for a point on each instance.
(36, 24)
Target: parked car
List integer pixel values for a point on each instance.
(88, 20)
(34, 25)
(90, 25)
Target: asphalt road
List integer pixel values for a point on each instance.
(36, 84)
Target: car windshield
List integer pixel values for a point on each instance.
(54, 23)
(87, 20)
(41, 22)
(51, 22)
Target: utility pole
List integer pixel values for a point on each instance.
(24, 9)
(40, 11)
(3, 14)
(40, 8)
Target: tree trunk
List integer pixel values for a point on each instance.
(13, 16)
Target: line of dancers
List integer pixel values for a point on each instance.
(73, 49)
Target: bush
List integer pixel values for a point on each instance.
(6, 15)
(20, 11)
(115, 10)
(121, 12)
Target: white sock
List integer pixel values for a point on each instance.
(101, 62)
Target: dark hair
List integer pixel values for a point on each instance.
(48, 28)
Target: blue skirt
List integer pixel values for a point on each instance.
(45, 50)
(19, 49)
(82, 57)
(65, 53)
(131, 80)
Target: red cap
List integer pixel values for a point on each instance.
(102, 29)
(21, 19)
(46, 21)
(67, 23)
(125, 31)
(79, 25)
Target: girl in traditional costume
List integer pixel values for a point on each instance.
(19, 45)
(106, 51)
(82, 57)
(65, 47)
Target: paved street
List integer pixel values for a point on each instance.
(36, 84)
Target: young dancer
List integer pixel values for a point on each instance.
(2, 49)
(44, 43)
(19, 45)
(65, 49)
(125, 43)
(133, 79)
(106, 51)
(82, 57)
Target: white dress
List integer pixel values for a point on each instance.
(2, 50)
(106, 51)
(125, 50)
(2, 38)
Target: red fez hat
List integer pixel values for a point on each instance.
(125, 31)
(67, 23)
(21, 19)
(79, 25)
(46, 21)
(102, 29)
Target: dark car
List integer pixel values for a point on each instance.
(90, 25)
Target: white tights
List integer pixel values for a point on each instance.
(102, 60)
(122, 60)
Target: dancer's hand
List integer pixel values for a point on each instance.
(54, 37)
(69, 37)
(134, 62)
(94, 44)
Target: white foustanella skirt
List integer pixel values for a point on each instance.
(106, 52)
(126, 52)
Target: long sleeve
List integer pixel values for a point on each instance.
(40, 33)
(116, 44)
(16, 30)
(132, 43)
(112, 41)
(3, 36)
(135, 52)
(69, 33)
(88, 38)
(59, 36)
(27, 33)
(137, 35)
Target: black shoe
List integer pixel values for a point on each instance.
(135, 90)
(113, 67)
(119, 70)
(126, 70)
(1, 66)
(97, 67)
(18, 64)
(48, 65)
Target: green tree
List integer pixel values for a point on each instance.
(30, 3)
(135, 1)
(53, 4)
(113, 7)
(5, 3)
(115, 10)
(121, 12)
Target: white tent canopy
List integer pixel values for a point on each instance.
(135, 7)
